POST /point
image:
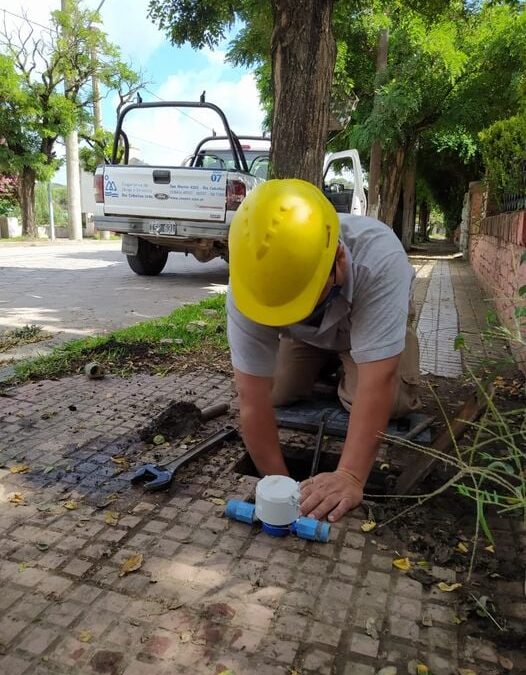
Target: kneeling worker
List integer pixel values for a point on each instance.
(307, 284)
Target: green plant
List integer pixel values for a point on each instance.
(503, 147)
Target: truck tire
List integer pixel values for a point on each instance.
(150, 259)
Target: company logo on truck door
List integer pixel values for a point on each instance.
(161, 195)
(110, 189)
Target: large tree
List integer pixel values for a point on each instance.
(45, 92)
(295, 38)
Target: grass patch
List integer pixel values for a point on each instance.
(190, 336)
(21, 336)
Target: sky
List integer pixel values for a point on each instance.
(172, 73)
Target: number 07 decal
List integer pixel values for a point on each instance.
(215, 177)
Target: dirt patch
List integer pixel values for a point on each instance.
(178, 419)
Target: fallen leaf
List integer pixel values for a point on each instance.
(370, 628)
(119, 460)
(422, 563)
(186, 636)
(427, 620)
(422, 669)
(466, 671)
(226, 672)
(490, 548)
(159, 439)
(367, 525)
(461, 548)
(19, 468)
(48, 469)
(70, 505)
(17, 498)
(111, 518)
(42, 546)
(403, 564)
(85, 636)
(447, 588)
(132, 564)
(458, 619)
(217, 501)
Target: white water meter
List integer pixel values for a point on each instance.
(277, 500)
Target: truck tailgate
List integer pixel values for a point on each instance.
(180, 193)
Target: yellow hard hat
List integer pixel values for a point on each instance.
(282, 244)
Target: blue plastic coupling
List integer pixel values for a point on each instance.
(276, 530)
(242, 511)
(312, 529)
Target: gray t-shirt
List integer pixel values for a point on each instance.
(368, 318)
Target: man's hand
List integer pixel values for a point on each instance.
(330, 493)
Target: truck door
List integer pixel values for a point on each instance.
(343, 182)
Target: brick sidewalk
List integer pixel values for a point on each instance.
(211, 594)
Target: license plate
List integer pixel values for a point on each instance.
(163, 228)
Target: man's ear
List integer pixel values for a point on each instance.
(341, 264)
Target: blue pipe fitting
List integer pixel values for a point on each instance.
(312, 529)
(242, 511)
(304, 528)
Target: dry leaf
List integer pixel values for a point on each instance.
(466, 671)
(506, 663)
(422, 669)
(119, 460)
(458, 619)
(111, 518)
(490, 548)
(132, 564)
(85, 636)
(159, 439)
(403, 564)
(19, 468)
(422, 563)
(461, 548)
(42, 546)
(70, 505)
(447, 588)
(217, 501)
(17, 498)
(367, 525)
(186, 636)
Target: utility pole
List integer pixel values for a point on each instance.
(97, 113)
(51, 211)
(72, 171)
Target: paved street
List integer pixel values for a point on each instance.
(76, 289)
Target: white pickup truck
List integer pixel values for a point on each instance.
(188, 208)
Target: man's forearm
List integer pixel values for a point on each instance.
(369, 417)
(260, 435)
(258, 423)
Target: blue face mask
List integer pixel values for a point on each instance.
(316, 317)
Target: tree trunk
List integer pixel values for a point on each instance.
(303, 57)
(27, 202)
(375, 160)
(409, 198)
(423, 220)
(391, 184)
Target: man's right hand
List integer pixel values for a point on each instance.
(258, 423)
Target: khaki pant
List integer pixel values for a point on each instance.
(299, 365)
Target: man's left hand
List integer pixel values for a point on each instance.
(332, 493)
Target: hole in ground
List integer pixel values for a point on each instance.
(299, 466)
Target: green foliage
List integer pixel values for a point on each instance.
(35, 111)
(60, 208)
(202, 24)
(504, 153)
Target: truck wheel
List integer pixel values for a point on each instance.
(150, 259)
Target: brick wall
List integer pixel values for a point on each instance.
(496, 245)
